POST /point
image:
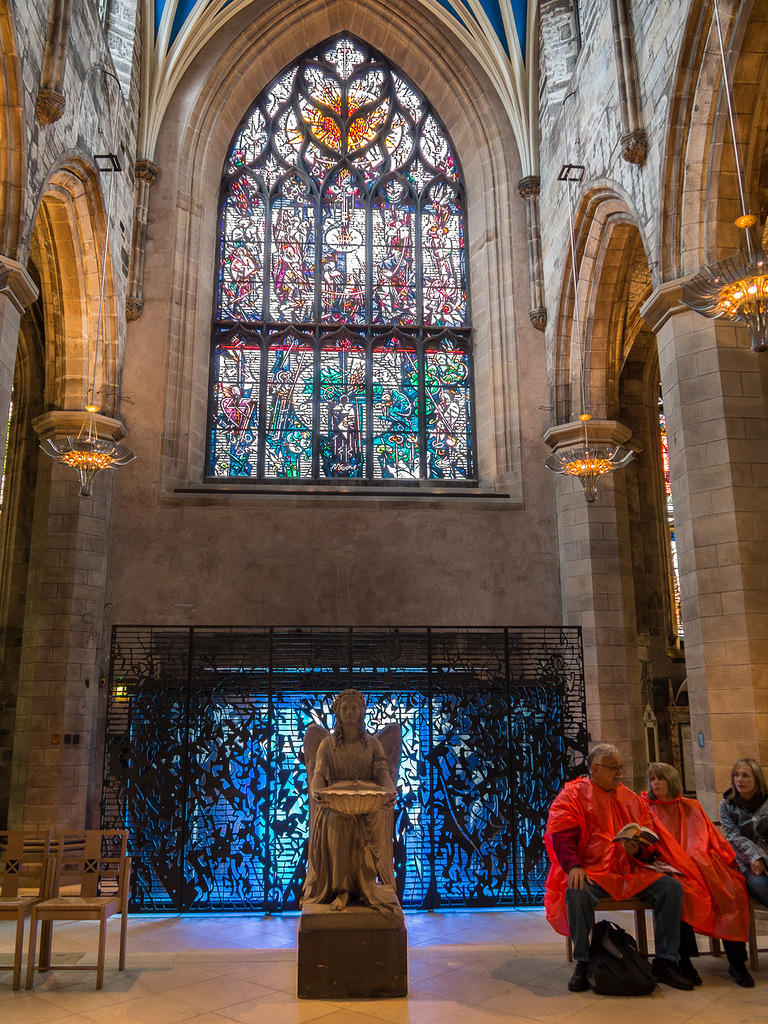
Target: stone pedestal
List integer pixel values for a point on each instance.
(354, 953)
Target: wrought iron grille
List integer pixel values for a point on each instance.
(204, 733)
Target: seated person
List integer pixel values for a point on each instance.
(744, 820)
(588, 865)
(686, 820)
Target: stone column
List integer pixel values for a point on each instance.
(559, 47)
(634, 143)
(716, 406)
(145, 175)
(50, 95)
(17, 292)
(530, 190)
(598, 595)
(54, 780)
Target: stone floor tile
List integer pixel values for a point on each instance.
(487, 968)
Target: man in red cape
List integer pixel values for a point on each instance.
(587, 866)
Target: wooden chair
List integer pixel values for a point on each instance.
(612, 907)
(91, 883)
(24, 863)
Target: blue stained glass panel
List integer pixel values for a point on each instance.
(293, 254)
(289, 821)
(235, 735)
(343, 410)
(446, 382)
(396, 412)
(445, 297)
(250, 143)
(241, 263)
(290, 386)
(394, 256)
(344, 262)
(472, 798)
(237, 366)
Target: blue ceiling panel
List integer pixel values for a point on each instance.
(452, 10)
(183, 10)
(493, 13)
(457, 10)
(520, 11)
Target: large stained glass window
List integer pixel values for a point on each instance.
(342, 347)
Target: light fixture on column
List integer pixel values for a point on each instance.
(86, 452)
(735, 288)
(587, 460)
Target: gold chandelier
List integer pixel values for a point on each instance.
(589, 461)
(87, 453)
(736, 288)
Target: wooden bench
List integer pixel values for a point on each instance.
(757, 911)
(613, 906)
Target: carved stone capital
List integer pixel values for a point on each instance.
(538, 317)
(529, 187)
(134, 307)
(634, 146)
(145, 170)
(602, 432)
(665, 302)
(16, 284)
(50, 105)
(69, 423)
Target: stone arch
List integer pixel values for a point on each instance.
(12, 140)
(699, 197)
(227, 77)
(67, 250)
(608, 246)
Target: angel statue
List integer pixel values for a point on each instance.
(351, 779)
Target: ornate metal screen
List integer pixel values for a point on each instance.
(204, 733)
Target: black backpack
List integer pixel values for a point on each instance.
(615, 966)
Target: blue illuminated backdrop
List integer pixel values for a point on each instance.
(203, 756)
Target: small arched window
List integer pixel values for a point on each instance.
(341, 343)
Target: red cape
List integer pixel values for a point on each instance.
(599, 815)
(715, 858)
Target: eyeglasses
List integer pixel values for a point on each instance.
(617, 769)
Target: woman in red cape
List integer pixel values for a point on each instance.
(716, 860)
(599, 815)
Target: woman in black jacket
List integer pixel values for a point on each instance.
(744, 820)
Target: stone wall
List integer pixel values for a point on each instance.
(56, 212)
(189, 551)
(680, 199)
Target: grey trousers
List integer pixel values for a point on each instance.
(664, 896)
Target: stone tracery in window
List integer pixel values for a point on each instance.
(341, 338)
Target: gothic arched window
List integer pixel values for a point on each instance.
(341, 338)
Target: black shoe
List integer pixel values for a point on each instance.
(578, 982)
(741, 975)
(689, 971)
(667, 972)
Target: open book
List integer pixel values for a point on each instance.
(644, 835)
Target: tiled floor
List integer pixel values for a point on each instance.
(464, 968)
